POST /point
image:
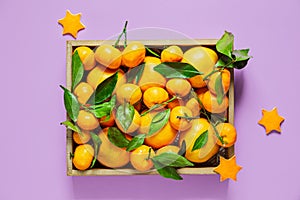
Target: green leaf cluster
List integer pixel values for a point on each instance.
(166, 164)
(231, 58)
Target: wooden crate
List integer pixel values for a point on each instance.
(72, 171)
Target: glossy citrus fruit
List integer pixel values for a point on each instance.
(163, 137)
(100, 73)
(178, 87)
(150, 77)
(86, 56)
(200, 92)
(211, 83)
(140, 158)
(172, 54)
(110, 155)
(83, 156)
(155, 95)
(108, 56)
(87, 121)
(203, 59)
(129, 92)
(146, 121)
(190, 136)
(83, 92)
(168, 148)
(194, 106)
(211, 104)
(82, 138)
(133, 54)
(178, 123)
(228, 133)
(135, 124)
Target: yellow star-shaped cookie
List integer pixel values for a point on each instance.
(71, 24)
(271, 120)
(227, 168)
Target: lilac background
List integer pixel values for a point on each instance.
(33, 65)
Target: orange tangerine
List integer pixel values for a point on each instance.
(172, 54)
(83, 156)
(129, 92)
(228, 133)
(179, 87)
(140, 158)
(133, 54)
(190, 136)
(178, 123)
(163, 137)
(203, 59)
(83, 91)
(155, 95)
(82, 138)
(225, 81)
(108, 56)
(211, 105)
(87, 121)
(87, 57)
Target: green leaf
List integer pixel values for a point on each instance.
(77, 69)
(125, 114)
(102, 110)
(201, 141)
(177, 70)
(71, 126)
(219, 88)
(167, 172)
(72, 105)
(241, 55)
(182, 149)
(117, 138)
(136, 142)
(225, 44)
(240, 64)
(135, 74)
(159, 121)
(104, 90)
(97, 142)
(172, 160)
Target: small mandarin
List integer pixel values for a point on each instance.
(83, 156)
(178, 123)
(140, 158)
(87, 57)
(133, 54)
(83, 91)
(171, 54)
(108, 56)
(155, 95)
(129, 92)
(87, 121)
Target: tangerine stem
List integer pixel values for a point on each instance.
(123, 32)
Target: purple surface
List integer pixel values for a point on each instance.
(33, 65)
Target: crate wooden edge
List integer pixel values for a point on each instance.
(76, 43)
(128, 172)
(107, 172)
